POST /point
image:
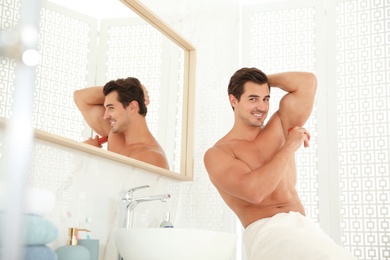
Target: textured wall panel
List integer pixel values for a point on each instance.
(64, 45)
(363, 73)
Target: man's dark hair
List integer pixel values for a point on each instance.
(241, 76)
(128, 89)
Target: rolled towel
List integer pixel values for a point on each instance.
(38, 231)
(37, 202)
(41, 252)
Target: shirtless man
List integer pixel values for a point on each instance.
(253, 165)
(118, 111)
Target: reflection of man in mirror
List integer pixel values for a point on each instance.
(117, 111)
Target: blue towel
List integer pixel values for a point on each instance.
(39, 253)
(38, 231)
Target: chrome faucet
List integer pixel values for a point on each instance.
(125, 195)
(131, 203)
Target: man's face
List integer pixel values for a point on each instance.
(252, 109)
(115, 113)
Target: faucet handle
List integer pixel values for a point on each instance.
(125, 195)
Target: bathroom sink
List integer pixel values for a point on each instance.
(174, 244)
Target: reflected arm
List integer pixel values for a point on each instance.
(90, 102)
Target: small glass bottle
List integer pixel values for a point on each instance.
(166, 223)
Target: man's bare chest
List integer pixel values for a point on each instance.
(257, 153)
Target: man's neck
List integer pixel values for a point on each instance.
(138, 132)
(245, 132)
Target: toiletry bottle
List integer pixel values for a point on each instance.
(91, 244)
(72, 251)
(166, 223)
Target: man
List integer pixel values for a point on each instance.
(118, 111)
(253, 167)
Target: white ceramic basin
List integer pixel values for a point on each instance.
(174, 244)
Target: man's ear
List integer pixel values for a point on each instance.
(134, 106)
(233, 100)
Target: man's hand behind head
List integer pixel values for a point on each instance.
(146, 94)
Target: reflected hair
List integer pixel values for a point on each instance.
(241, 76)
(128, 89)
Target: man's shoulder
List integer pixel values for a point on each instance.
(221, 148)
(223, 143)
(149, 154)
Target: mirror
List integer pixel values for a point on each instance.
(79, 50)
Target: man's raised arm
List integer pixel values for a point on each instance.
(90, 102)
(296, 106)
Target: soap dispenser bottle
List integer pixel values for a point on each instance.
(166, 223)
(72, 251)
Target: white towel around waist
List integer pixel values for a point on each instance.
(290, 236)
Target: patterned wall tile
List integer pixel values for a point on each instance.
(363, 98)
